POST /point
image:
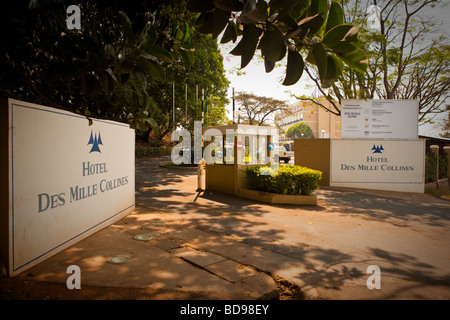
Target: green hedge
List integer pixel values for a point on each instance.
(288, 180)
(152, 151)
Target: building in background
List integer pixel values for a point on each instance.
(324, 124)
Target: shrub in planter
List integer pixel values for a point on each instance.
(287, 180)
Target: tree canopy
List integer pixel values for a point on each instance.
(299, 130)
(258, 110)
(120, 65)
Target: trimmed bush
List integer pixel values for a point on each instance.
(293, 180)
(152, 151)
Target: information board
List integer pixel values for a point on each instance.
(379, 119)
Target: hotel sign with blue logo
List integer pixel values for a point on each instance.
(64, 179)
(397, 165)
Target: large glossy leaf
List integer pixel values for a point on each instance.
(221, 19)
(247, 46)
(253, 12)
(141, 78)
(213, 21)
(153, 124)
(187, 33)
(274, 47)
(342, 39)
(334, 70)
(126, 66)
(126, 28)
(205, 22)
(335, 16)
(229, 5)
(160, 53)
(154, 69)
(357, 61)
(348, 47)
(320, 59)
(342, 32)
(318, 7)
(311, 24)
(294, 69)
(187, 56)
(230, 33)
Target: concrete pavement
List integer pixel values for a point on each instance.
(216, 246)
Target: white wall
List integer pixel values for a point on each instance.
(397, 165)
(62, 189)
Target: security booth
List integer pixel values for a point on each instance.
(230, 149)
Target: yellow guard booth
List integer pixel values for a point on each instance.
(230, 149)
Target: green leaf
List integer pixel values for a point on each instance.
(318, 7)
(187, 33)
(152, 124)
(148, 28)
(320, 59)
(160, 53)
(274, 48)
(346, 47)
(247, 46)
(127, 30)
(205, 22)
(154, 69)
(294, 69)
(230, 33)
(334, 70)
(221, 19)
(335, 16)
(342, 32)
(311, 24)
(179, 35)
(342, 39)
(108, 52)
(357, 61)
(253, 13)
(126, 66)
(141, 78)
(187, 56)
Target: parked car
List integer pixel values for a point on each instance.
(282, 154)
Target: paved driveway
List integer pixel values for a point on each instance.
(325, 250)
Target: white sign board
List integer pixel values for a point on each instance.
(379, 119)
(397, 165)
(67, 179)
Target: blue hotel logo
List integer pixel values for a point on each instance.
(377, 149)
(95, 141)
